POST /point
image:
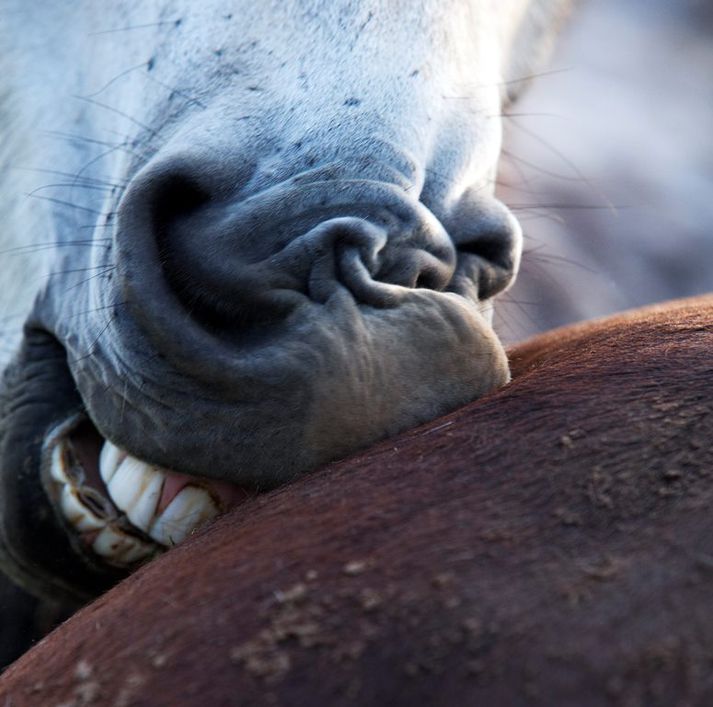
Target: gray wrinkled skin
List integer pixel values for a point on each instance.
(254, 337)
(262, 234)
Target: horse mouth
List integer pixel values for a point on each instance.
(118, 509)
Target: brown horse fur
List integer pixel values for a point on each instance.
(551, 543)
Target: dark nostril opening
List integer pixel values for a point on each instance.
(176, 197)
(492, 260)
(488, 241)
(429, 281)
(493, 247)
(197, 249)
(180, 225)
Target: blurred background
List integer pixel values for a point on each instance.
(608, 163)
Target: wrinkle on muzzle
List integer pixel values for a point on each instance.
(240, 262)
(353, 252)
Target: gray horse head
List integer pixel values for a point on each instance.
(262, 235)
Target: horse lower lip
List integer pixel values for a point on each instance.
(124, 510)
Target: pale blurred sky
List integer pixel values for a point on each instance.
(610, 165)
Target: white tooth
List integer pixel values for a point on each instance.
(118, 547)
(127, 487)
(109, 459)
(57, 467)
(191, 508)
(141, 513)
(77, 513)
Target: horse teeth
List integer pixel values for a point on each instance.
(77, 513)
(120, 548)
(189, 510)
(142, 512)
(63, 466)
(135, 488)
(109, 460)
(58, 469)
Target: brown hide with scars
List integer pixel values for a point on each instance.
(551, 543)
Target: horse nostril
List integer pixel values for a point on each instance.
(497, 261)
(176, 197)
(491, 246)
(429, 280)
(488, 241)
(238, 266)
(174, 200)
(188, 238)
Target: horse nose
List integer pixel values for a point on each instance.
(236, 264)
(488, 240)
